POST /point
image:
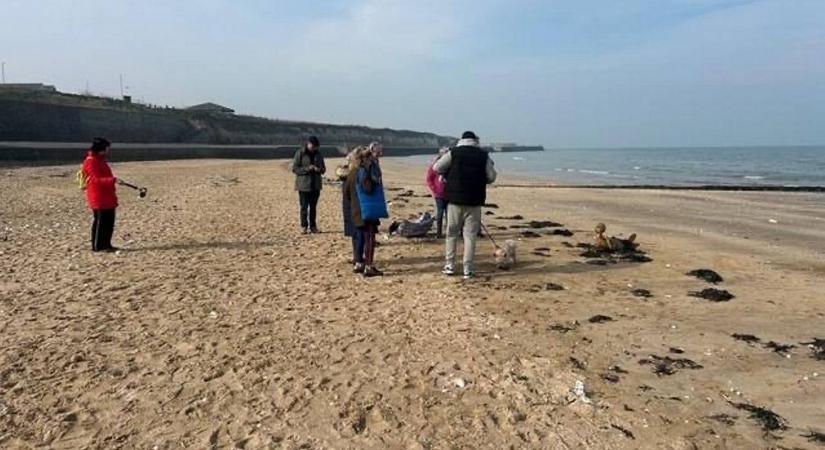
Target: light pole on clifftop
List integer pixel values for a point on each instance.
(3, 66)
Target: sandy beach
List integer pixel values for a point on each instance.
(220, 326)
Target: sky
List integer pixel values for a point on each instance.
(561, 73)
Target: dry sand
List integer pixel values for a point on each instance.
(220, 326)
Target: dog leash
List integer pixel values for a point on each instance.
(487, 232)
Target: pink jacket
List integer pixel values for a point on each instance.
(435, 181)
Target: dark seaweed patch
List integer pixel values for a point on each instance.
(817, 347)
(616, 369)
(707, 275)
(516, 217)
(612, 257)
(749, 338)
(530, 234)
(713, 294)
(591, 253)
(491, 205)
(562, 328)
(724, 419)
(779, 348)
(665, 365)
(553, 287)
(598, 318)
(577, 363)
(544, 224)
(562, 232)
(624, 431)
(676, 350)
(815, 437)
(542, 251)
(489, 213)
(643, 293)
(611, 378)
(770, 420)
(567, 244)
(597, 262)
(613, 375)
(637, 257)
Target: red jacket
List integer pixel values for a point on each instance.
(100, 187)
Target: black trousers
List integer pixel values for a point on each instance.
(309, 206)
(103, 226)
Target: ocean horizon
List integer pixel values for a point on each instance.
(787, 166)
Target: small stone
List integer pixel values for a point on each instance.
(213, 315)
(460, 383)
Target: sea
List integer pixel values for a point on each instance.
(671, 166)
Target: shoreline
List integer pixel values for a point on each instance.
(547, 182)
(665, 187)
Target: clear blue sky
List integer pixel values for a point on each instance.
(563, 73)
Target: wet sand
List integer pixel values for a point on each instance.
(220, 326)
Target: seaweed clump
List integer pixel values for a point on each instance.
(665, 365)
(817, 347)
(706, 274)
(713, 294)
(770, 420)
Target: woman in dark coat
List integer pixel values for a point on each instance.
(346, 203)
(352, 210)
(369, 190)
(309, 168)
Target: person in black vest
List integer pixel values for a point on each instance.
(308, 167)
(468, 170)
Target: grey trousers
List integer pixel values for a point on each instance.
(468, 219)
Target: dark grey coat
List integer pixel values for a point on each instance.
(306, 181)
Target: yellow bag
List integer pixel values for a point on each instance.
(82, 179)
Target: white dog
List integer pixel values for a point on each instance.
(506, 255)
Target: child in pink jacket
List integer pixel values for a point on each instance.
(437, 184)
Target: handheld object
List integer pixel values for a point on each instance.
(142, 191)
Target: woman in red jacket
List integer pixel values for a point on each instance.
(100, 194)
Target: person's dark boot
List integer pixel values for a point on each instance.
(371, 271)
